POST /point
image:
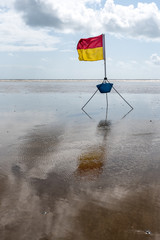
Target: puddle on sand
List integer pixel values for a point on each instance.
(66, 176)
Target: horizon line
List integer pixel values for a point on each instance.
(72, 79)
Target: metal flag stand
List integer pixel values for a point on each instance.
(106, 86)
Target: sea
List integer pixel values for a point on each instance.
(79, 164)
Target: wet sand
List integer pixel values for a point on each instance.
(67, 175)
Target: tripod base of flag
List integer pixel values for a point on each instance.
(105, 87)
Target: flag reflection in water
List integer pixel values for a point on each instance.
(91, 162)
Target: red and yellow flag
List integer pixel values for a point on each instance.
(90, 49)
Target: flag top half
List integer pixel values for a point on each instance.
(90, 49)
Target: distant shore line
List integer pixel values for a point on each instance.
(74, 80)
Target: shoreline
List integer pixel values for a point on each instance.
(78, 80)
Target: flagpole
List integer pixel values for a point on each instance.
(104, 57)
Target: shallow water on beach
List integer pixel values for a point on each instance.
(72, 174)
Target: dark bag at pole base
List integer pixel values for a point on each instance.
(105, 87)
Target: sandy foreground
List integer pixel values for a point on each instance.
(66, 174)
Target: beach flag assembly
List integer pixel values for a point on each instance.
(93, 49)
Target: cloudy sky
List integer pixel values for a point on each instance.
(38, 38)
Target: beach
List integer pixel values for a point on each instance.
(69, 174)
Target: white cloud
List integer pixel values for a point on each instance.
(28, 25)
(15, 35)
(6, 3)
(155, 59)
(142, 21)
